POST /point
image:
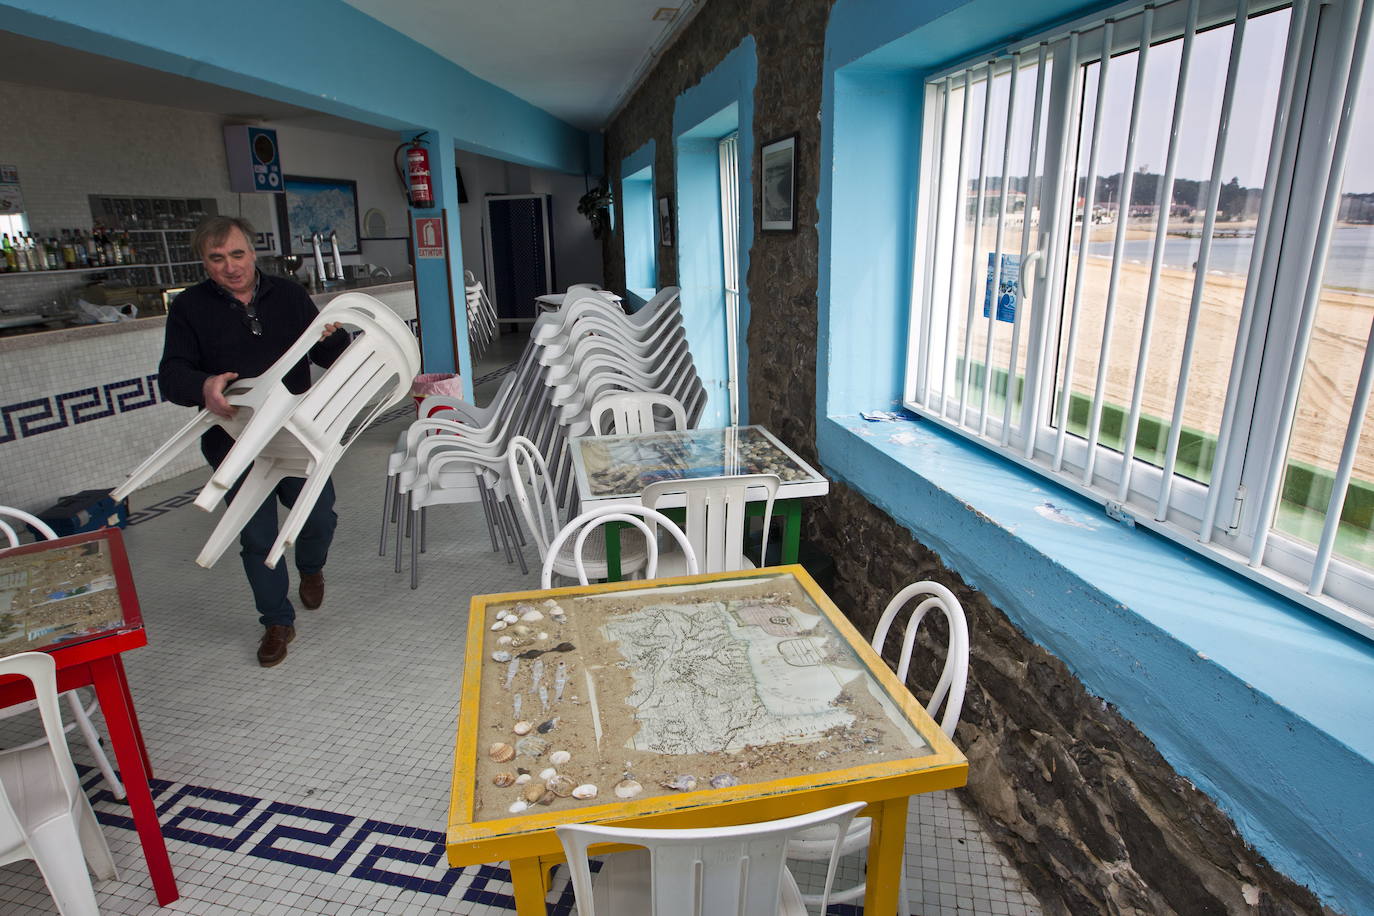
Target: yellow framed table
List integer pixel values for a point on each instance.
(699, 701)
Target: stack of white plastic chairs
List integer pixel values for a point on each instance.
(586, 350)
(481, 314)
(279, 434)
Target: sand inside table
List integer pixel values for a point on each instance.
(874, 735)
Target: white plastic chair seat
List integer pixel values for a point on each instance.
(633, 557)
(625, 886)
(44, 815)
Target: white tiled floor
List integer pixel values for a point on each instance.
(321, 786)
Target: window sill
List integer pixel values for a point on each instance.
(1248, 695)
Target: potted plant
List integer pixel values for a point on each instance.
(596, 205)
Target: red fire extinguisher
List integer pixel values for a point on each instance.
(417, 176)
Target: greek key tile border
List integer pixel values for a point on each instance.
(26, 419)
(315, 839)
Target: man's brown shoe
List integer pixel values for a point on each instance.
(312, 590)
(272, 649)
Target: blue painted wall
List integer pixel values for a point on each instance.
(640, 224)
(1263, 705)
(327, 56)
(721, 103)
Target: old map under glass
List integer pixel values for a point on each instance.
(57, 595)
(624, 466)
(645, 691)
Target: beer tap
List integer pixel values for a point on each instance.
(320, 275)
(334, 253)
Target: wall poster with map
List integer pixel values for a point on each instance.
(313, 205)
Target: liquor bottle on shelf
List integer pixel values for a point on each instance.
(54, 253)
(37, 257)
(68, 250)
(11, 260)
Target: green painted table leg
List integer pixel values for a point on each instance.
(790, 510)
(613, 550)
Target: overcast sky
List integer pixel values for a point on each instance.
(1247, 147)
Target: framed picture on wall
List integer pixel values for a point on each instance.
(321, 205)
(665, 221)
(778, 166)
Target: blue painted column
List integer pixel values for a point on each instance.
(439, 287)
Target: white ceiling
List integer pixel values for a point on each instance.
(573, 58)
(576, 59)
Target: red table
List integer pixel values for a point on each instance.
(93, 658)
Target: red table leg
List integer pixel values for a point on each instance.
(133, 715)
(112, 690)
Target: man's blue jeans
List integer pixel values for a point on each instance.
(270, 586)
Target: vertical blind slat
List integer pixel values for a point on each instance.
(1058, 244)
(973, 284)
(994, 293)
(1084, 238)
(1351, 56)
(1301, 35)
(1204, 257)
(1123, 213)
(932, 253)
(1340, 486)
(1017, 318)
(948, 365)
(1163, 210)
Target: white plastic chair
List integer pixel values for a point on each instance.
(922, 598)
(81, 714)
(715, 517)
(633, 412)
(720, 871)
(571, 542)
(281, 434)
(44, 815)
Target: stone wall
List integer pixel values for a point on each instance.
(1081, 801)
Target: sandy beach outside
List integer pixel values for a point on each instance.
(1333, 362)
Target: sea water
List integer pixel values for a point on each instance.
(1349, 262)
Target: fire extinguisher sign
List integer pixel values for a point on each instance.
(429, 237)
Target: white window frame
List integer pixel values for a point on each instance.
(1227, 519)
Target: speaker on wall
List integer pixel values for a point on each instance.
(254, 158)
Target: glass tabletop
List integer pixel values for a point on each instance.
(622, 466)
(58, 595)
(644, 691)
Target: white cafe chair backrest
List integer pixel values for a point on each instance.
(721, 871)
(644, 519)
(11, 533)
(715, 515)
(927, 597)
(633, 412)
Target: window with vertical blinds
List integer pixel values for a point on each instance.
(1145, 267)
(729, 221)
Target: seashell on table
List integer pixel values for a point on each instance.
(531, 746)
(561, 785)
(686, 782)
(503, 779)
(522, 728)
(628, 788)
(558, 758)
(584, 791)
(501, 752)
